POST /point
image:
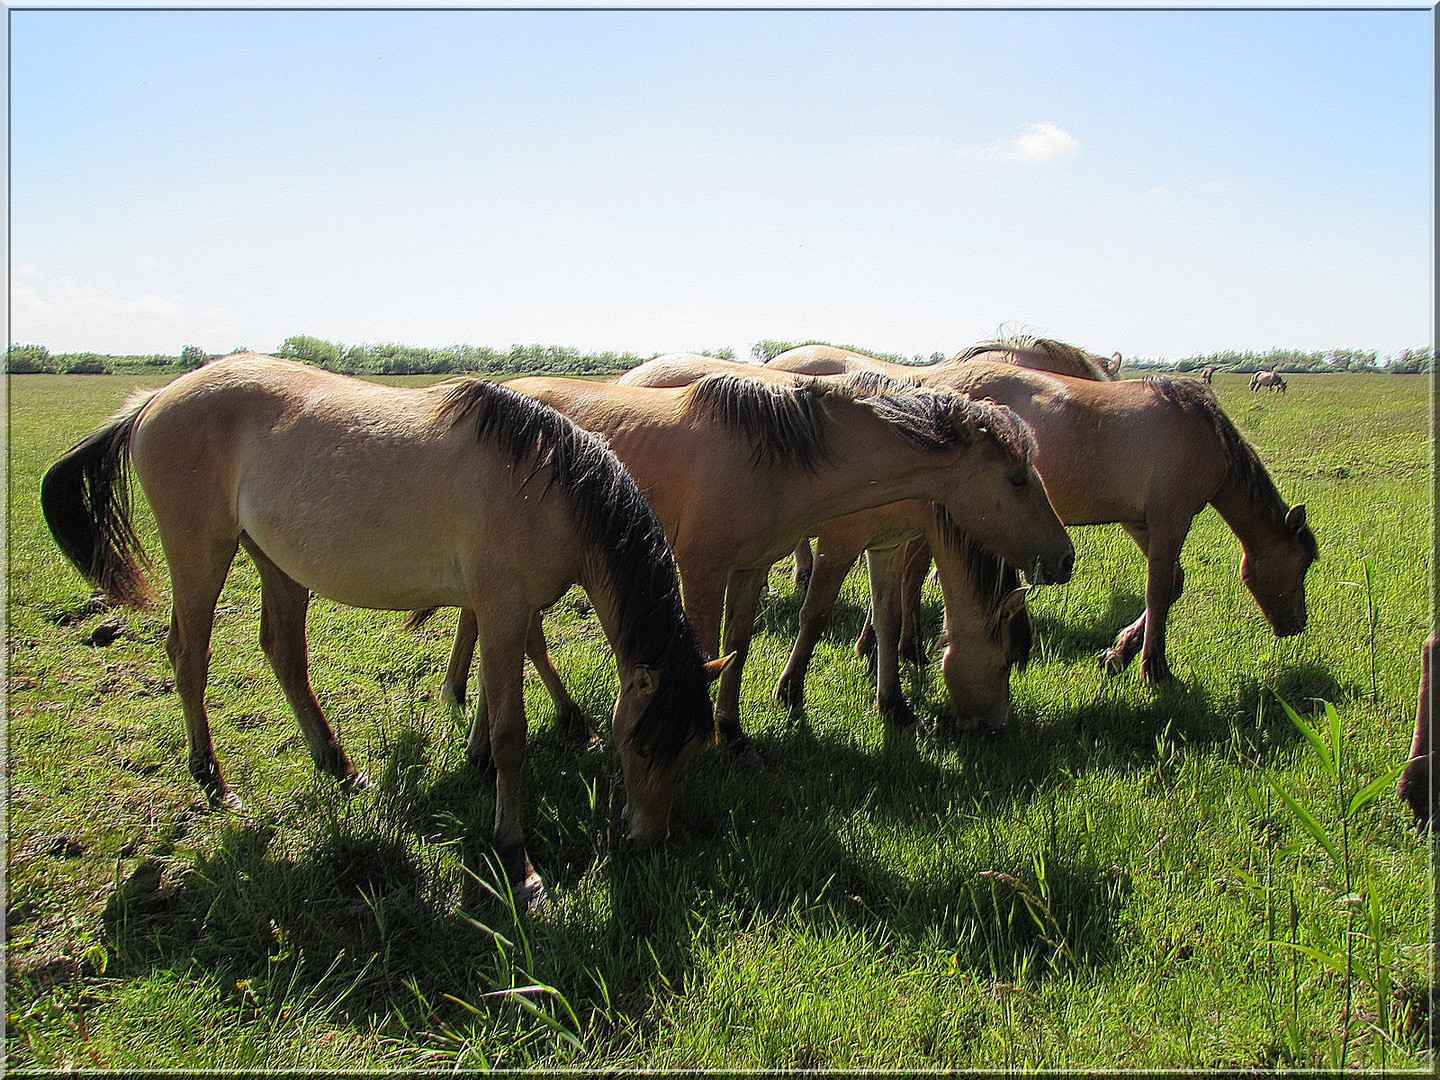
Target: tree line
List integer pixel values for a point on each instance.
(395, 359)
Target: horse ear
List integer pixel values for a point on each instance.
(1009, 607)
(644, 679)
(1014, 603)
(713, 668)
(1115, 361)
(1295, 519)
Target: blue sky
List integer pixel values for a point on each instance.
(1162, 183)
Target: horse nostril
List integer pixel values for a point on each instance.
(1067, 567)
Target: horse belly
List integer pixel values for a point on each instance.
(367, 544)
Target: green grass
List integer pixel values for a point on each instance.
(1114, 881)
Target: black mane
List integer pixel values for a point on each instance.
(785, 424)
(617, 527)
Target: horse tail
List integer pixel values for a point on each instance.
(85, 497)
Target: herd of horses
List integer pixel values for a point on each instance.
(668, 495)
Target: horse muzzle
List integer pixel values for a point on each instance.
(1053, 571)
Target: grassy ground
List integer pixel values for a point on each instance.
(1120, 879)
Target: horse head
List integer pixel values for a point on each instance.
(651, 772)
(1274, 572)
(976, 666)
(999, 498)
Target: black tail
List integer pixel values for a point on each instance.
(86, 501)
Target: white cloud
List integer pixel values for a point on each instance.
(67, 312)
(1035, 144)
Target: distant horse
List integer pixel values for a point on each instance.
(1208, 375)
(1417, 784)
(987, 626)
(1271, 379)
(739, 470)
(464, 494)
(1149, 455)
(1042, 354)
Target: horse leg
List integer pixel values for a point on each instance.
(1165, 581)
(568, 716)
(457, 673)
(1417, 783)
(914, 565)
(1129, 641)
(502, 671)
(865, 642)
(804, 563)
(742, 599)
(283, 605)
(820, 597)
(885, 604)
(195, 584)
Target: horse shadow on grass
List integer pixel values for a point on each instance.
(1073, 636)
(382, 911)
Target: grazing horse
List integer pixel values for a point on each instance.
(1149, 455)
(1208, 375)
(1271, 379)
(464, 494)
(987, 626)
(739, 470)
(1417, 783)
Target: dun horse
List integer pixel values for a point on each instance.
(1269, 379)
(1149, 455)
(987, 627)
(738, 471)
(463, 494)
(1023, 350)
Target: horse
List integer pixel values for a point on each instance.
(1042, 354)
(1208, 375)
(1271, 379)
(987, 626)
(465, 493)
(1023, 350)
(738, 470)
(1417, 783)
(1177, 452)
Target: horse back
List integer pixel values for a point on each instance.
(363, 493)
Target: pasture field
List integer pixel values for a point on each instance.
(1125, 877)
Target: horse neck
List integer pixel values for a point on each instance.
(872, 467)
(1256, 521)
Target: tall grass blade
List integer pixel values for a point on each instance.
(1327, 760)
(1308, 822)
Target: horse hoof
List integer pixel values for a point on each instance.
(745, 755)
(225, 800)
(530, 894)
(1113, 662)
(354, 781)
(1157, 673)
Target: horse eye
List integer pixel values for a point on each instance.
(1019, 481)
